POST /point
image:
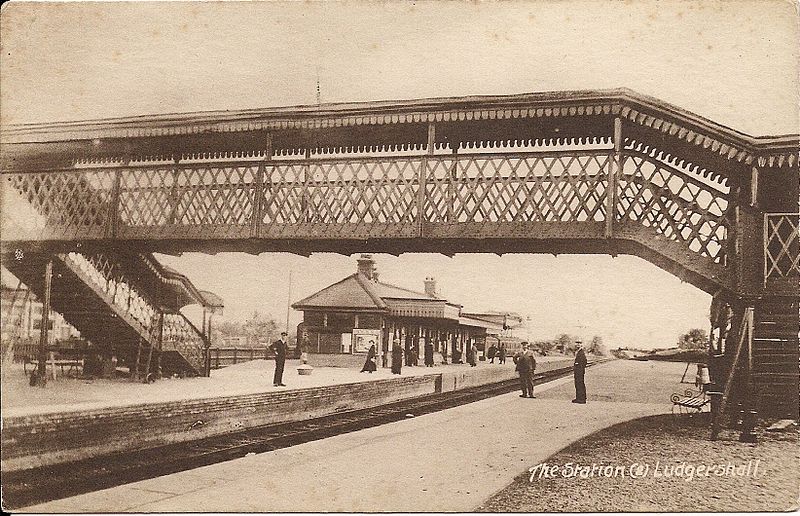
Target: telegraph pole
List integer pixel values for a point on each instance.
(289, 302)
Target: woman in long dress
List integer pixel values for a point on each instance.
(397, 357)
(369, 364)
(428, 353)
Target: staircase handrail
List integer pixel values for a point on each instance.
(206, 341)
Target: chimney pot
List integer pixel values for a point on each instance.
(366, 266)
(430, 286)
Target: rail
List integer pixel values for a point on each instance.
(387, 196)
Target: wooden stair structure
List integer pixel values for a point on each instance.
(776, 358)
(116, 300)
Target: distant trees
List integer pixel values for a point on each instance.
(620, 353)
(696, 338)
(258, 328)
(565, 343)
(543, 346)
(596, 347)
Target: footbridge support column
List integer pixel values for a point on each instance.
(767, 278)
(40, 378)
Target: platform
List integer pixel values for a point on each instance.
(448, 461)
(72, 419)
(75, 394)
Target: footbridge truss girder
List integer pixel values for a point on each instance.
(563, 172)
(608, 171)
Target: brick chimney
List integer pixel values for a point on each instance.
(430, 286)
(366, 266)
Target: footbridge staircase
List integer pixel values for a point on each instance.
(611, 172)
(126, 304)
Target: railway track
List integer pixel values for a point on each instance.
(39, 485)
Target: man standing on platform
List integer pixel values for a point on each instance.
(523, 368)
(579, 369)
(279, 347)
(532, 361)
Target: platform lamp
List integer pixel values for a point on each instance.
(304, 369)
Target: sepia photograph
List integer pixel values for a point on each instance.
(524, 256)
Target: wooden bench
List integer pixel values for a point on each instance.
(689, 402)
(73, 364)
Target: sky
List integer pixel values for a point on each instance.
(735, 62)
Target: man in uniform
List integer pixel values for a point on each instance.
(524, 369)
(279, 347)
(579, 369)
(532, 361)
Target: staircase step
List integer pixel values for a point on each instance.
(781, 358)
(776, 333)
(776, 367)
(781, 323)
(762, 379)
(784, 320)
(785, 305)
(775, 347)
(774, 406)
(775, 350)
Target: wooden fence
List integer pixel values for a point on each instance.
(222, 357)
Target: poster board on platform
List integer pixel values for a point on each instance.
(363, 339)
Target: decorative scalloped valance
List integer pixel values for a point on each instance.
(641, 110)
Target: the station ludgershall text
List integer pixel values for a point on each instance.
(658, 469)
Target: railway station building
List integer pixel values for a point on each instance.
(349, 316)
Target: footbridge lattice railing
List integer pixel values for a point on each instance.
(106, 275)
(493, 194)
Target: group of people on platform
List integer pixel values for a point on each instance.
(524, 359)
(526, 367)
(412, 357)
(496, 352)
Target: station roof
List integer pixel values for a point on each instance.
(479, 323)
(179, 291)
(483, 121)
(357, 292)
(385, 290)
(351, 293)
